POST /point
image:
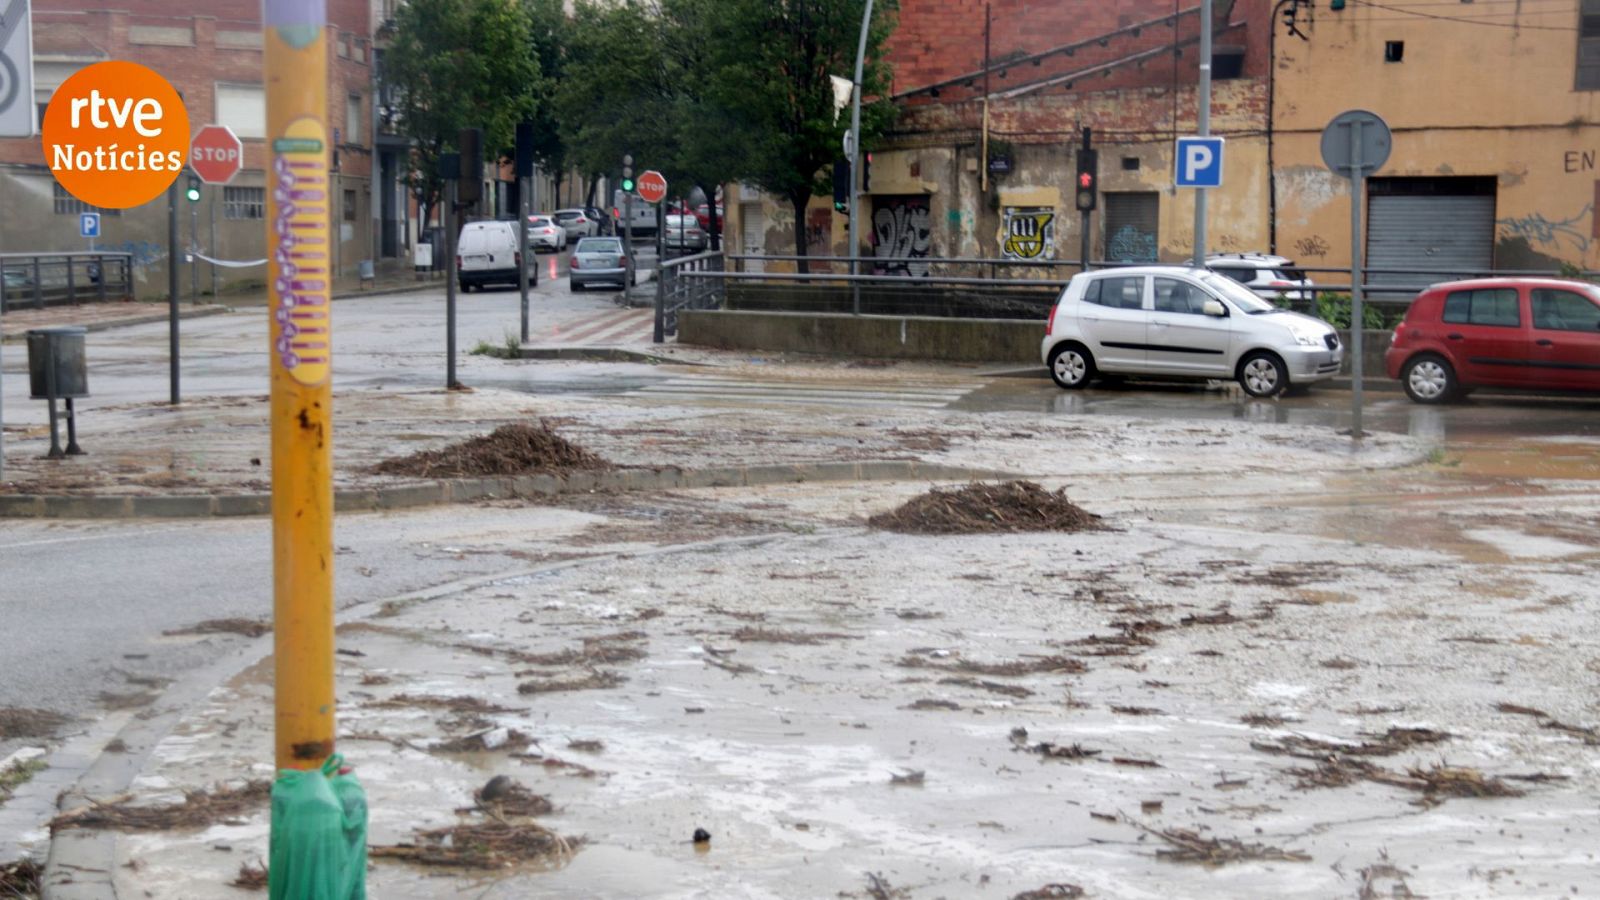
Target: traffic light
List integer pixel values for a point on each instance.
(841, 184)
(627, 173)
(627, 183)
(866, 174)
(1088, 191)
(193, 190)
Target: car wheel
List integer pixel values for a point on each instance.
(1263, 374)
(465, 288)
(576, 287)
(1071, 366)
(1429, 379)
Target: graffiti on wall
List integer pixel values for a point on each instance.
(1029, 233)
(1129, 244)
(1538, 230)
(902, 231)
(1313, 246)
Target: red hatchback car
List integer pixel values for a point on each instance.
(1530, 333)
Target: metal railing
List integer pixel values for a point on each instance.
(979, 287)
(687, 282)
(37, 280)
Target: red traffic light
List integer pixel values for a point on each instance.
(1085, 180)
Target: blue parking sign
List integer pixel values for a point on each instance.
(1199, 162)
(89, 225)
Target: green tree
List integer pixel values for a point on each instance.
(771, 73)
(456, 64)
(615, 98)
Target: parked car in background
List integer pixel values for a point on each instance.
(1529, 333)
(1269, 276)
(545, 234)
(602, 218)
(685, 233)
(577, 223)
(597, 260)
(702, 214)
(487, 253)
(1183, 322)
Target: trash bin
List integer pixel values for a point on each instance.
(60, 348)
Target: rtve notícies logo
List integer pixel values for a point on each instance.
(115, 135)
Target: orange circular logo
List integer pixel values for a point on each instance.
(116, 135)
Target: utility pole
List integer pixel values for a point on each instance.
(1204, 94)
(855, 160)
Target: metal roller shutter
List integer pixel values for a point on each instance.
(754, 234)
(1131, 220)
(1448, 230)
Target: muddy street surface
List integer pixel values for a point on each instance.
(1364, 679)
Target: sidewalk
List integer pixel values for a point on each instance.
(15, 323)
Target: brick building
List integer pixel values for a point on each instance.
(214, 58)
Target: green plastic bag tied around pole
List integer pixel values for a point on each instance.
(318, 848)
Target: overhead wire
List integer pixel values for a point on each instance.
(1465, 21)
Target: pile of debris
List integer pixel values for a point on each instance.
(506, 836)
(199, 809)
(1011, 506)
(508, 450)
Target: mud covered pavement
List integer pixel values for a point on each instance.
(1312, 676)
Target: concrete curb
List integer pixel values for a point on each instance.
(600, 354)
(469, 490)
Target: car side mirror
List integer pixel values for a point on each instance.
(1215, 308)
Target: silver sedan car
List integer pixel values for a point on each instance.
(684, 233)
(597, 260)
(1182, 322)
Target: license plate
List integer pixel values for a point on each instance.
(475, 257)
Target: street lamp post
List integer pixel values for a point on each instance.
(855, 159)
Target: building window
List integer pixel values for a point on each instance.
(242, 107)
(349, 206)
(244, 203)
(68, 205)
(1588, 78)
(1394, 51)
(352, 119)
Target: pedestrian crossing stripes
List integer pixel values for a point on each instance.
(748, 391)
(607, 329)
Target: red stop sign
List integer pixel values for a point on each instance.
(652, 187)
(215, 154)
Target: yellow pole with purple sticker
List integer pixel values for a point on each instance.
(299, 285)
(318, 843)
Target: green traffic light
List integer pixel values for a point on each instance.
(627, 184)
(193, 192)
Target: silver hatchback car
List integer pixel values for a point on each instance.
(1181, 322)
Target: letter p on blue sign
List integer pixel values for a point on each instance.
(1199, 162)
(89, 225)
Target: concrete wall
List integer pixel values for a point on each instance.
(905, 337)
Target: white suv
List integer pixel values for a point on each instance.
(1269, 276)
(1183, 322)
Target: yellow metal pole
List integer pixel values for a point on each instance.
(300, 279)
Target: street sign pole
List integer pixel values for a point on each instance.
(522, 250)
(172, 292)
(1354, 145)
(1358, 184)
(1204, 121)
(450, 276)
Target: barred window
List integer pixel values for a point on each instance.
(1588, 77)
(244, 203)
(68, 205)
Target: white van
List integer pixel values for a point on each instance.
(644, 214)
(487, 254)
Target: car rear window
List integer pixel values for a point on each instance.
(1487, 306)
(566, 216)
(1292, 274)
(1558, 310)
